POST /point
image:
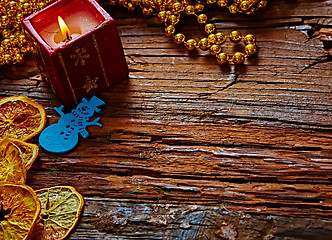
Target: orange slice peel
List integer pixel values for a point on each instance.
(11, 165)
(60, 210)
(19, 210)
(29, 151)
(21, 117)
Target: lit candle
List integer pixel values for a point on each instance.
(64, 31)
(79, 49)
(78, 23)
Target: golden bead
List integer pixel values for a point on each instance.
(147, 11)
(235, 36)
(262, 4)
(222, 58)
(233, 9)
(220, 38)
(6, 42)
(5, 20)
(41, 5)
(179, 38)
(204, 44)
(177, 7)
(244, 5)
(210, 28)
(26, 5)
(169, 30)
(6, 33)
(211, 1)
(249, 39)
(191, 44)
(26, 49)
(112, 2)
(22, 39)
(14, 41)
(212, 38)
(7, 58)
(215, 49)
(173, 19)
(202, 18)
(19, 17)
(162, 16)
(251, 49)
(238, 58)
(18, 57)
(222, 3)
(190, 10)
(12, 5)
(130, 7)
(199, 7)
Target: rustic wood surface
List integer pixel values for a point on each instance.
(192, 150)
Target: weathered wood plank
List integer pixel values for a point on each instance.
(183, 131)
(298, 200)
(207, 164)
(113, 219)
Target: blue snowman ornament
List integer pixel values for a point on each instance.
(64, 135)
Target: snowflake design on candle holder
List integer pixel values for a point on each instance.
(90, 83)
(81, 56)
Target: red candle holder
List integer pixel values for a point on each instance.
(83, 62)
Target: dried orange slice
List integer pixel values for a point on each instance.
(21, 117)
(11, 165)
(60, 210)
(19, 210)
(29, 151)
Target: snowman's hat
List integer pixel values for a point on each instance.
(94, 103)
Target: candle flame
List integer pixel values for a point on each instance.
(64, 29)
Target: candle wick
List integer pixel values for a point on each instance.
(68, 37)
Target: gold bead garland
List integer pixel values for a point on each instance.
(13, 43)
(169, 13)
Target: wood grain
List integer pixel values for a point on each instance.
(192, 150)
(109, 219)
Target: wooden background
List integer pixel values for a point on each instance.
(192, 150)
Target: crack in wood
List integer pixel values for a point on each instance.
(325, 59)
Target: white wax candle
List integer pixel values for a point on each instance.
(77, 22)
